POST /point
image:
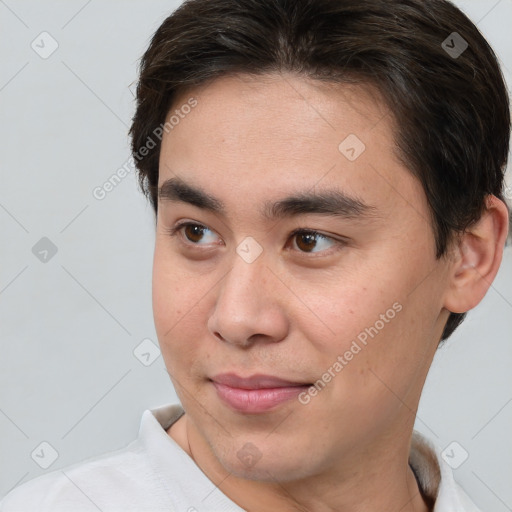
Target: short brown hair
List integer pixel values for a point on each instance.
(451, 107)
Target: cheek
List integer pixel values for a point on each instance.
(372, 320)
(172, 298)
(166, 311)
(335, 312)
(176, 289)
(179, 299)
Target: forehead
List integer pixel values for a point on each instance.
(279, 98)
(258, 135)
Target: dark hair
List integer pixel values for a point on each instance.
(449, 101)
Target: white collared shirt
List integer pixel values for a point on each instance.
(153, 474)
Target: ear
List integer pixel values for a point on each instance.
(476, 258)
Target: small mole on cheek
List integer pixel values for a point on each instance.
(365, 369)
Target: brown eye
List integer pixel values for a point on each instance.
(193, 232)
(306, 241)
(312, 242)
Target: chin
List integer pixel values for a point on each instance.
(270, 464)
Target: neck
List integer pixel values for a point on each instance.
(379, 480)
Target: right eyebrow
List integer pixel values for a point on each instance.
(175, 189)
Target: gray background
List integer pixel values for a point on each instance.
(70, 325)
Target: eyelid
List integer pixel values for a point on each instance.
(314, 232)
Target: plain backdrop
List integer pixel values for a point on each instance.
(75, 271)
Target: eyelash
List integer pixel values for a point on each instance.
(174, 231)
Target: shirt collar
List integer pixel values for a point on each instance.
(435, 477)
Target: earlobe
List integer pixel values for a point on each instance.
(477, 257)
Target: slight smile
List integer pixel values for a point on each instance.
(255, 394)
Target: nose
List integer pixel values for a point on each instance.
(249, 306)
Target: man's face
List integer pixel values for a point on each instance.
(356, 309)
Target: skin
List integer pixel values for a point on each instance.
(297, 307)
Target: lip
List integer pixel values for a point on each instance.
(257, 393)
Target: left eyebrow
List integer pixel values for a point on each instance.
(327, 202)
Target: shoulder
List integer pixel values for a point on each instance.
(112, 481)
